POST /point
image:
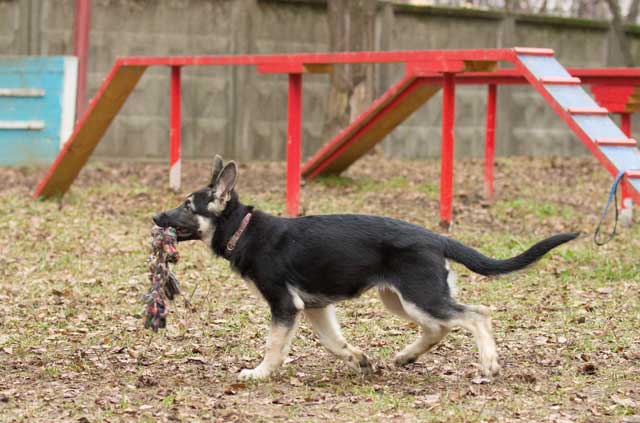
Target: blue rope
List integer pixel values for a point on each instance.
(613, 195)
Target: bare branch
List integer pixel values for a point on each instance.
(632, 16)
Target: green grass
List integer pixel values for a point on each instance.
(531, 208)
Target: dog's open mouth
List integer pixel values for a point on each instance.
(183, 232)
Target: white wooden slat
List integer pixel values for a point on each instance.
(34, 125)
(21, 92)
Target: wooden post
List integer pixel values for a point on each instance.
(446, 173)
(175, 162)
(293, 144)
(490, 142)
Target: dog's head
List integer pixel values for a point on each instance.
(195, 218)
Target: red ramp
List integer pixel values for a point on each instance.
(391, 109)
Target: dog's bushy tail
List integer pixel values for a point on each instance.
(479, 263)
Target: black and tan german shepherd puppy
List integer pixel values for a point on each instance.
(305, 264)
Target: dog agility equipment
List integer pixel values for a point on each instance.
(426, 72)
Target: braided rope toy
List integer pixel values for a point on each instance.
(164, 283)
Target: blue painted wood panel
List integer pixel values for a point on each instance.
(32, 90)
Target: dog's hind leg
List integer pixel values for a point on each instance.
(325, 325)
(432, 330)
(430, 336)
(475, 318)
(471, 317)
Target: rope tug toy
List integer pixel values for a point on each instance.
(164, 283)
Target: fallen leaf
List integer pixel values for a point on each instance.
(234, 388)
(145, 380)
(197, 359)
(427, 400)
(588, 369)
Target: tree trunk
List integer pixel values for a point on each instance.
(618, 29)
(351, 28)
(632, 16)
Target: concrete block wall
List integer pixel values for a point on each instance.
(240, 114)
(10, 35)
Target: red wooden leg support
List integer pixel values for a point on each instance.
(490, 146)
(446, 174)
(626, 203)
(625, 124)
(175, 163)
(293, 144)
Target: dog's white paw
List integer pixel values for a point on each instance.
(360, 362)
(254, 374)
(401, 360)
(490, 367)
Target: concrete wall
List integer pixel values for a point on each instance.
(240, 114)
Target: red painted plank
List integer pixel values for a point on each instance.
(320, 58)
(605, 77)
(616, 98)
(606, 72)
(625, 123)
(623, 142)
(588, 110)
(281, 68)
(427, 68)
(632, 174)
(530, 51)
(560, 80)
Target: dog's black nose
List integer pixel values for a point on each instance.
(157, 218)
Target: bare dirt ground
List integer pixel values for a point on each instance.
(72, 345)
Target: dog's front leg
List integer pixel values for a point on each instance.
(278, 343)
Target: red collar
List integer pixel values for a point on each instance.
(231, 245)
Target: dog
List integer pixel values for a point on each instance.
(306, 264)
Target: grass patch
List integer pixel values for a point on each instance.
(530, 207)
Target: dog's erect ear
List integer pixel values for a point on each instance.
(217, 167)
(226, 180)
(222, 187)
